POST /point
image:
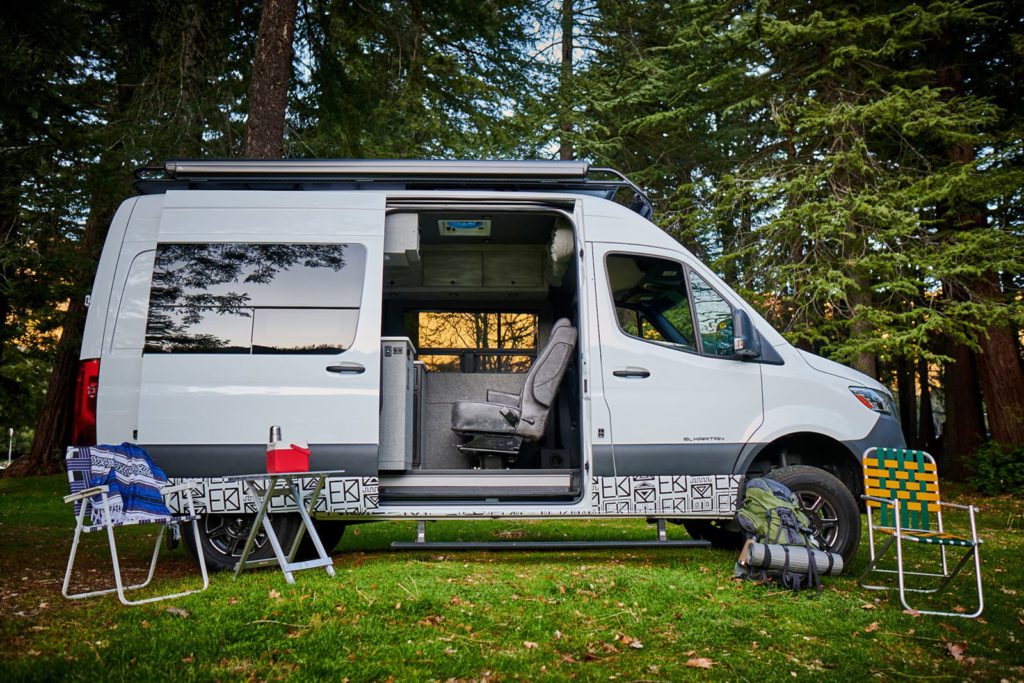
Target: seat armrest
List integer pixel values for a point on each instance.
(502, 398)
(87, 493)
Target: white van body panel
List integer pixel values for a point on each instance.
(798, 398)
(102, 301)
(233, 398)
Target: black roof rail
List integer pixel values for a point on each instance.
(356, 174)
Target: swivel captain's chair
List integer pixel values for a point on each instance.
(500, 425)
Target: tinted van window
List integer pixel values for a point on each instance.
(255, 298)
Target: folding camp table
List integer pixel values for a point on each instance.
(265, 487)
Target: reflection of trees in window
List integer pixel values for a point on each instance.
(714, 318)
(459, 332)
(203, 296)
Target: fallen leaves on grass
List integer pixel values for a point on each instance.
(956, 650)
(177, 611)
(630, 641)
(529, 645)
(432, 620)
(872, 627)
(867, 605)
(912, 612)
(274, 595)
(700, 663)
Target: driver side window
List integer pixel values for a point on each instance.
(651, 299)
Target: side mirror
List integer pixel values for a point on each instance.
(746, 343)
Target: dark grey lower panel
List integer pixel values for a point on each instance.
(887, 433)
(631, 460)
(221, 460)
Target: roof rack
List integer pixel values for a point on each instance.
(356, 174)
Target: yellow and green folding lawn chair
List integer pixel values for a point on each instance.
(903, 486)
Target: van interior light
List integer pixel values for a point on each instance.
(463, 227)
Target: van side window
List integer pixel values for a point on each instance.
(714, 318)
(255, 298)
(651, 299)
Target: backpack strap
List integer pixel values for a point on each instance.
(812, 566)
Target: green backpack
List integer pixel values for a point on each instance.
(771, 515)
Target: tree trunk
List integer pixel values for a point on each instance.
(926, 426)
(860, 328)
(965, 424)
(565, 150)
(905, 384)
(271, 76)
(53, 428)
(1002, 381)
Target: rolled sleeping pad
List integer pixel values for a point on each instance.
(773, 557)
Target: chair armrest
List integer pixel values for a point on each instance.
(885, 501)
(502, 398)
(87, 493)
(956, 505)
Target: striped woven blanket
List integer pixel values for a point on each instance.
(134, 480)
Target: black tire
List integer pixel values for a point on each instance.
(831, 507)
(330, 532)
(223, 538)
(722, 533)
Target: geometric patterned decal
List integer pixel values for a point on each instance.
(350, 495)
(656, 496)
(675, 495)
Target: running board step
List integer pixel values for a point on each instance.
(542, 545)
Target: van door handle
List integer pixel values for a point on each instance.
(632, 372)
(346, 368)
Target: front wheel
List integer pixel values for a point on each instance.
(831, 508)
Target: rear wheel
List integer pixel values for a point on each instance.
(330, 532)
(829, 505)
(223, 538)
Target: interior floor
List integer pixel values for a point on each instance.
(476, 293)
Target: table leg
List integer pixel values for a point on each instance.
(264, 501)
(308, 522)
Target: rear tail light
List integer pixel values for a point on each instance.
(84, 430)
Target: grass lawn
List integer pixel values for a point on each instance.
(655, 615)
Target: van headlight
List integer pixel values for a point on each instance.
(878, 401)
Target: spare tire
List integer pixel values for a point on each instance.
(832, 509)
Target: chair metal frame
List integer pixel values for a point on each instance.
(87, 498)
(903, 531)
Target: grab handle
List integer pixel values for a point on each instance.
(346, 368)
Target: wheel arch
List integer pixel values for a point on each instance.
(812, 449)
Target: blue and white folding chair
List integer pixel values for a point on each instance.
(123, 500)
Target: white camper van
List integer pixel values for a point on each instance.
(453, 340)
